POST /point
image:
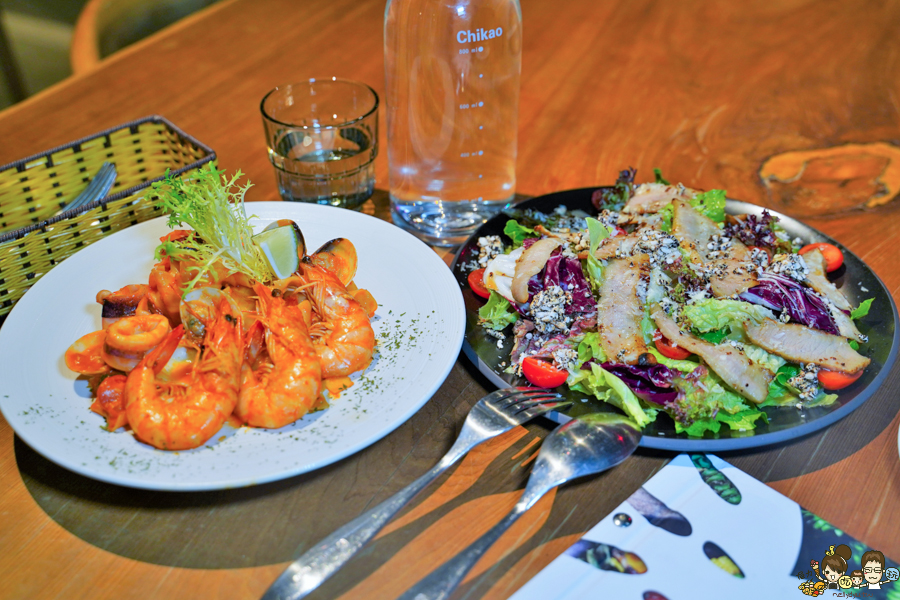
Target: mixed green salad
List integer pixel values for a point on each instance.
(661, 302)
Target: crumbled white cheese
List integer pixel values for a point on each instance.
(494, 333)
(489, 246)
(789, 265)
(718, 246)
(759, 257)
(564, 358)
(609, 218)
(661, 247)
(548, 310)
(806, 381)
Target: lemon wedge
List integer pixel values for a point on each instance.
(282, 247)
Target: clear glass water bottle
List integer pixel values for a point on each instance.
(452, 76)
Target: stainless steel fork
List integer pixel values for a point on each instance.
(494, 414)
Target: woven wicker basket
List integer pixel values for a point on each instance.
(33, 189)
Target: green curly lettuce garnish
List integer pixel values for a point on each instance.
(518, 233)
(497, 313)
(213, 206)
(862, 310)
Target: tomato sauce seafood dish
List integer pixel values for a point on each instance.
(229, 325)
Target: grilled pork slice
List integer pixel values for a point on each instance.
(695, 230)
(747, 378)
(649, 219)
(692, 229)
(619, 310)
(799, 343)
(838, 303)
(732, 277)
(623, 244)
(651, 197)
(819, 281)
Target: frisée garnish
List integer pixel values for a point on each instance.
(213, 206)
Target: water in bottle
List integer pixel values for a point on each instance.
(452, 76)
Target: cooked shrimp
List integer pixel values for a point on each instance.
(184, 414)
(280, 378)
(343, 339)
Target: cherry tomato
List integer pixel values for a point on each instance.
(834, 258)
(667, 348)
(542, 373)
(834, 380)
(476, 282)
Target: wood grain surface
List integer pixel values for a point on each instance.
(789, 103)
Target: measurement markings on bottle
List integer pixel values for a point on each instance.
(472, 105)
(474, 50)
(471, 154)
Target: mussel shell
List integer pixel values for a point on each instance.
(338, 256)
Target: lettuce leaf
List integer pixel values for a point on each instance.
(707, 404)
(821, 399)
(713, 314)
(602, 384)
(711, 204)
(657, 174)
(593, 268)
(517, 233)
(589, 347)
(685, 366)
(666, 212)
(497, 313)
(772, 362)
(862, 310)
(744, 420)
(780, 393)
(713, 337)
(605, 386)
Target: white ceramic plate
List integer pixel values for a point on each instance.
(420, 325)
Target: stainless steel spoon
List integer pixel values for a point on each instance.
(584, 446)
(95, 190)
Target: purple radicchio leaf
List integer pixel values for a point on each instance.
(804, 306)
(652, 383)
(567, 274)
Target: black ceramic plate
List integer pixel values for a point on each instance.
(785, 423)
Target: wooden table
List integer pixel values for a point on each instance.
(789, 103)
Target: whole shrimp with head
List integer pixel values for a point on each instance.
(186, 412)
(343, 337)
(281, 376)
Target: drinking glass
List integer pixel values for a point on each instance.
(322, 137)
